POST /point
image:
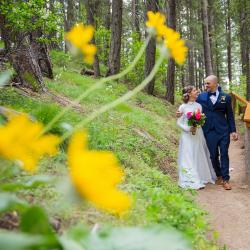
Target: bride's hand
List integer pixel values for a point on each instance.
(193, 129)
(178, 114)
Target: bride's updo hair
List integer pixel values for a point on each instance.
(185, 93)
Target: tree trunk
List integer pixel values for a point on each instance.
(22, 57)
(71, 15)
(229, 43)
(41, 53)
(211, 29)
(135, 18)
(190, 21)
(24, 62)
(196, 70)
(151, 5)
(107, 24)
(217, 60)
(107, 16)
(64, 24)
(200, 72)
(206, 42)
(91, 6)
(170, 83)
(244, 43)
(6, 33)
(116, 35)
(53, 43)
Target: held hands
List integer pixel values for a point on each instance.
(234, 136)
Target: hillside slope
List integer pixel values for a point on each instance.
(143, 135)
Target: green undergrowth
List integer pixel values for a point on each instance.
(143, 135)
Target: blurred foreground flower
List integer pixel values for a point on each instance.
(80, 36)
(21, 140)
(171, 38)
(95, 175)
(156, 21)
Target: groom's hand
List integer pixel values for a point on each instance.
(178, 114)
(234, 136)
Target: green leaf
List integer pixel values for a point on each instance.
(32, 182)
(35, 221)
(11, 202)
(21, 241)
(69, 244)
(127, 238)
(138, 239)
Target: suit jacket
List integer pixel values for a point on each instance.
(220, 115)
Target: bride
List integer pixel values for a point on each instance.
(195, 167)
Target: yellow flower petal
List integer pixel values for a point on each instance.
(95, 175)
(175, 45)
(80, 36)
(20, 140)
(171, 38)
(157, 22)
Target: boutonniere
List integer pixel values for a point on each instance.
(223, 99)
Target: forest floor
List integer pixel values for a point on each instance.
(229, 211)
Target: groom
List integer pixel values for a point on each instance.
(220, 124)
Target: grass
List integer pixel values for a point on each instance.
(143, 135)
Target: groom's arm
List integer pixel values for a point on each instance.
(230, 115)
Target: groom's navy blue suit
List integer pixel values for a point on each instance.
(219, 124)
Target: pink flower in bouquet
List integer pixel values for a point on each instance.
(198, 116)
(197, 111)
(189, 114)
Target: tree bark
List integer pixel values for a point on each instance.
(244, 7)
(22, 57)
(170, 83)
(191, 75)
(229, 42)
(6, 33)
(211, 29)
(71, 14)
(91, 7)
(24, 62)
(116, 35)
(135, 18)
(41, 53)
(151, 5)
(201, 71)
(217, 60)
(206, 42)
(107, 16)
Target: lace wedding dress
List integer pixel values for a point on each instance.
(195, 167)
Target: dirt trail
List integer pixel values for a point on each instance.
(229, 211)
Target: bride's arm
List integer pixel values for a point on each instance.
(181, 122)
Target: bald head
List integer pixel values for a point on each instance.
(211, 83)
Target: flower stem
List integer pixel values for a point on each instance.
(118, 101)
(97, 85)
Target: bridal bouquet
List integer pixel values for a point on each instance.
(196, 119)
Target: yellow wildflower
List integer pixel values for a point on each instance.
(175, 45)
(95, 174)
(20, 140)
(156, 21)
(80, 36)
(171, 38)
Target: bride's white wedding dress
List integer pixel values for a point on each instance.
(195, 167)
